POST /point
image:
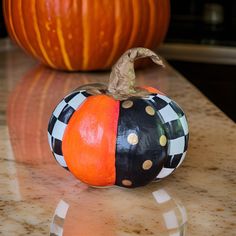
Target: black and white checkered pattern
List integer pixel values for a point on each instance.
(60, 119)
(176, 127)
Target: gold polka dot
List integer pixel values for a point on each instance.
(132, 138)
(127, 104)
(150, 110)
(163, 140)
(147, 164)
(126, 182)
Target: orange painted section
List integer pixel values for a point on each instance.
(89, 142)
(152, 90)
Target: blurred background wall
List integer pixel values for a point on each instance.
(201, 44)
(203, 21)
(3, 32)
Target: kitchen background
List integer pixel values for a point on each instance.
(201, 45)
(205, 32)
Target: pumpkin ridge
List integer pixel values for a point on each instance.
(21, 20)
(151, 23)
(11, 26)
(135, 24)
(61, 40)
(38, 34)
(86, 34)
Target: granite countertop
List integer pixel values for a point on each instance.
(38, 196)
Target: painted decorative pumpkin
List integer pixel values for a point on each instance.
(85, 35)
(119, 134)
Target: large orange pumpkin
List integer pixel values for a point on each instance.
(85, 35)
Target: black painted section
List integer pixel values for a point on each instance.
(70, 96)
(3, 31)
(174, 129)
(186, 138)
(177, 108)
(86, 94)
(130, 158)
(173, 161)
(56, 146)
(51, 124)
(66, 114)
(159, 103)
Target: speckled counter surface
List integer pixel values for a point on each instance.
(37, 195)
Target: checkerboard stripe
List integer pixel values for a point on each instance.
(59, 121)
(176, 128)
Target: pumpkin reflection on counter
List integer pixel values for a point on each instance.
(68, 34)
(29, 108)
(117, 212)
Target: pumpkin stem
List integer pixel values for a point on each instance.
(122, 78)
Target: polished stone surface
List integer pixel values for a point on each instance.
(38, 196)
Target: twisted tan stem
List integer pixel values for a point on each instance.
(122, 77)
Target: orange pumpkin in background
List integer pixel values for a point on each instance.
(85, 35)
